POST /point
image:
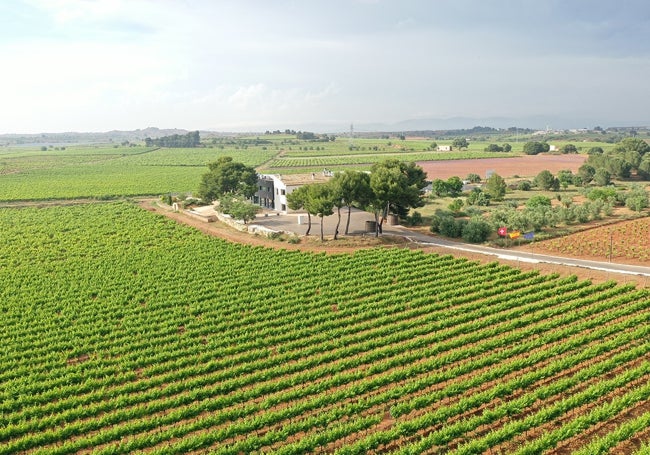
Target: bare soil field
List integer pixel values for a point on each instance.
(523, 166)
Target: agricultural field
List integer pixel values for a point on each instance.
(108, 172)
(125, 332)
(368, 159)
(627, 241)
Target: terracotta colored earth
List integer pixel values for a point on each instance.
(523, 166)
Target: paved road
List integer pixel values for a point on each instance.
(298, 223)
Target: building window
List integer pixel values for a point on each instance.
(283, 192)
(283, 208)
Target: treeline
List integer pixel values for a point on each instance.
(627, 159)
(189, 140)
(304, 135)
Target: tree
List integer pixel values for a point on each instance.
(476, 230)
(638, 145)
(398, 186)
(533, 148)
(495, 187)
(565, 177)
(644, 167)
(494, 148)
(349, 188)
(227, 177)
(191, 139)
(524, 185)
(439, 187)
(473, 178)
(602, 177)
(595, 151)
(478, 197)
(320, 202)
(586, 173)
(546, 181)
(507, 147)
(238, 208)
(460, 143)
(538, 201)
(454, 186)
(298, 200)
(455, 205)
(637, 199)
(569, 148)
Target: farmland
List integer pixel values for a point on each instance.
(621, 242)
(108, 172)
(126, 332)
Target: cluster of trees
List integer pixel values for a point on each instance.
(534, 148)
(627, 157)
(189, 140)
(232, 184)
(309, 136)
(498, 148)
(539, 214)
(460, 143)
(473, 230)
(636, 198)
(392, 187)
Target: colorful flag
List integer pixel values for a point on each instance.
(529, 235)
(502, 231)
(515, 234)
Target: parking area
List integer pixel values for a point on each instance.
(297, 222)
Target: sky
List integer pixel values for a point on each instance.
(321, 65)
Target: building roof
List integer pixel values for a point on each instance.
(301, 179)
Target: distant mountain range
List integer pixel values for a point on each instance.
(115, 136)
(405, 126)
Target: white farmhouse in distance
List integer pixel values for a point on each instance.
(445, 148)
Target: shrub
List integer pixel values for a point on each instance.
(451, 227)
(414, 219)
(538, 201)
(478, 197)
(524, 185)
(476, 231)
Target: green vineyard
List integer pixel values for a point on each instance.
(318, 159)
(125, 332)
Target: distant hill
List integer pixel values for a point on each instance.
(114, 136)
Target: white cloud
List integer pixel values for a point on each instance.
(94, 64)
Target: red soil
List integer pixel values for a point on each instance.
(523, 166)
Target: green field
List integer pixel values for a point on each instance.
(108, 172)
(124, 332)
